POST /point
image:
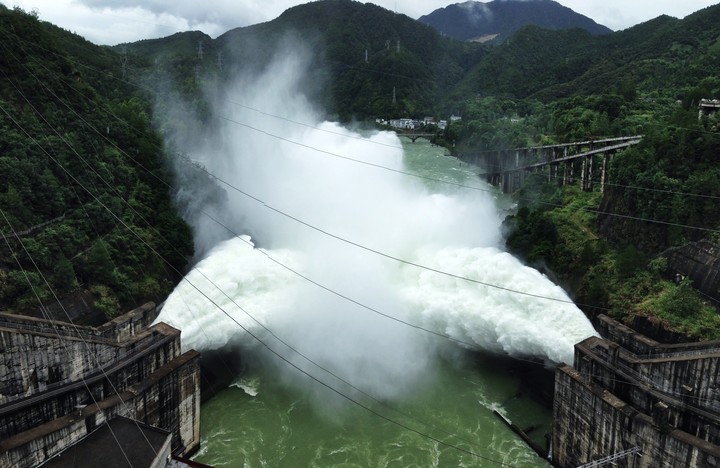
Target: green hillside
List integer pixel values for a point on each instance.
(607, 249)
(402, 55)
(69, 105)
(83, 193)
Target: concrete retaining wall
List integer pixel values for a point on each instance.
(630, 391)
(72, 379)
(69, 351)
(590, 423)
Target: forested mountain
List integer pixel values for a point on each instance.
(71, 110)
(85, 205)
(662, 55)
(432, 75)
(406, 59)
(497, 20)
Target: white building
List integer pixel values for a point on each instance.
(407, 124)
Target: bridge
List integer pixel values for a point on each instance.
(566, 162)
(415, 136)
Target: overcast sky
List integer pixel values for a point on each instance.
(116, 21)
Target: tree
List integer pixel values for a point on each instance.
(64, 275)
(97, 264)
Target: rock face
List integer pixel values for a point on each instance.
(60, 381)
(699, 261)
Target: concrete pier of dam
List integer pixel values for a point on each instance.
(61, 383)
(635, 402)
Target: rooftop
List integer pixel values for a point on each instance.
(119, 443)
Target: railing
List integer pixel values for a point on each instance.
(61, 329)
(612, 458)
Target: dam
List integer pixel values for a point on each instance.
(635, 402)
(60, 383)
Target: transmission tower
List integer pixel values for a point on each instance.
(123, 61)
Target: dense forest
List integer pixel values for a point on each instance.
(84, 198)
(85, 185)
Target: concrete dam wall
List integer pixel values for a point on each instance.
(59, 382)
(650, 404)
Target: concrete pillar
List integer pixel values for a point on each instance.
(661, 416)
(587, 169)
(603, 174)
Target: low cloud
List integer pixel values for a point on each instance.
(220, 14)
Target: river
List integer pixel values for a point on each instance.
(354, 280)
(262, 422)
(433, 406)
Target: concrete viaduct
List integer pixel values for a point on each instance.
(565, 162)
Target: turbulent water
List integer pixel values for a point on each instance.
(353, 290)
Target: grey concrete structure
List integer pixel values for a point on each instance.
(629, 391)
(700, 262)
(120, 443)
(59, 382)
(563, 163)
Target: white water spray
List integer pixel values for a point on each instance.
(353, 218)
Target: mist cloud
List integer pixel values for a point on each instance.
(339, 326)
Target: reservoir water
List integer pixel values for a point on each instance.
(356, 296)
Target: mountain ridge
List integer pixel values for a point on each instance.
(499, 19)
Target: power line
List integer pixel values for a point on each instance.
(66, 142)
(379, 166)
(316, 127)
(675, 224)
(339, 238)
(240, 237)
(254, 336)
(61, 341)
(294, 350)
(260, 201)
